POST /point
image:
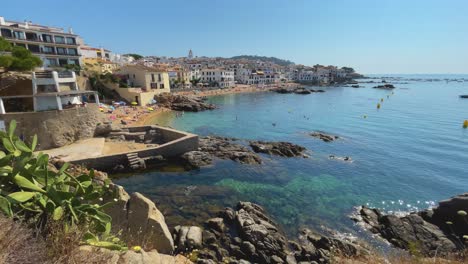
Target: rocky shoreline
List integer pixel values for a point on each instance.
(246, 234)
(433, 232)
(183, 103)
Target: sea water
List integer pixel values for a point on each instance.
(406, 156)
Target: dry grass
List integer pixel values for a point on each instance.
(18, 245)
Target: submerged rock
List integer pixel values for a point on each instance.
(323, 136)
(283, 149)
(183, 103)
(434, 231)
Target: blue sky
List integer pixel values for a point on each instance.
(383, 36)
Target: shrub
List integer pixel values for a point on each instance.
(20, 59)
(36, 194)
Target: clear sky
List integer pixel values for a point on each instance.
(373, 36)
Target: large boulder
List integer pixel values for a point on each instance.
(140, 221)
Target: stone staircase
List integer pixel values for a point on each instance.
(135, 162)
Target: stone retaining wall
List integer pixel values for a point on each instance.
(175, 144)
(56, 128)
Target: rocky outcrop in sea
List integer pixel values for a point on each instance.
(282, 149)
(297, 90)
(385, 86)
(438, 231)
(183, 103)
(323, 136)
(211, 147)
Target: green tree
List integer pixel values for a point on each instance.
(4, 45)
(20, 59)
(135, 56)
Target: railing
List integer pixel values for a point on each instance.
(43, 75)
(65, 74)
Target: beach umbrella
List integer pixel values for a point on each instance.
(134, 103)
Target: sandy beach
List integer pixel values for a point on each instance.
(239, 88)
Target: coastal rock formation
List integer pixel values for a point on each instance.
(183, 103)
(248, 234)
(140, 221)
(385, 86)
(302, 91)
(197, 159)
(296, 90)
(225, 148)
(283, 149)
(434, 231)
(323, 136)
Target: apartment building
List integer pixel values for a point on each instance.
(146, 78)
(53, 45)
(217, 77)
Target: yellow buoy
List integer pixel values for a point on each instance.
(465, 124)
(378, 106)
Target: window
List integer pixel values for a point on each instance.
(152, 78)
(71, 41)
(47, 38)
(19, 34)
(51, 62)
(48, 50)
(59, 39)
(161, 86)
(34, 48)
(154, 85)
(72, 52)
(31, 36)
(63, 62)
(6, 33)
(61, 51)
(159, 78)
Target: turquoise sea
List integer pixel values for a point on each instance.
(407, 155)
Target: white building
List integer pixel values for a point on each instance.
(257, 77)
(51, 91)
(53, 45)
(218, 77)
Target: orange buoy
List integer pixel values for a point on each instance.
(465, 124)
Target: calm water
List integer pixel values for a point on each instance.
(406, 155)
